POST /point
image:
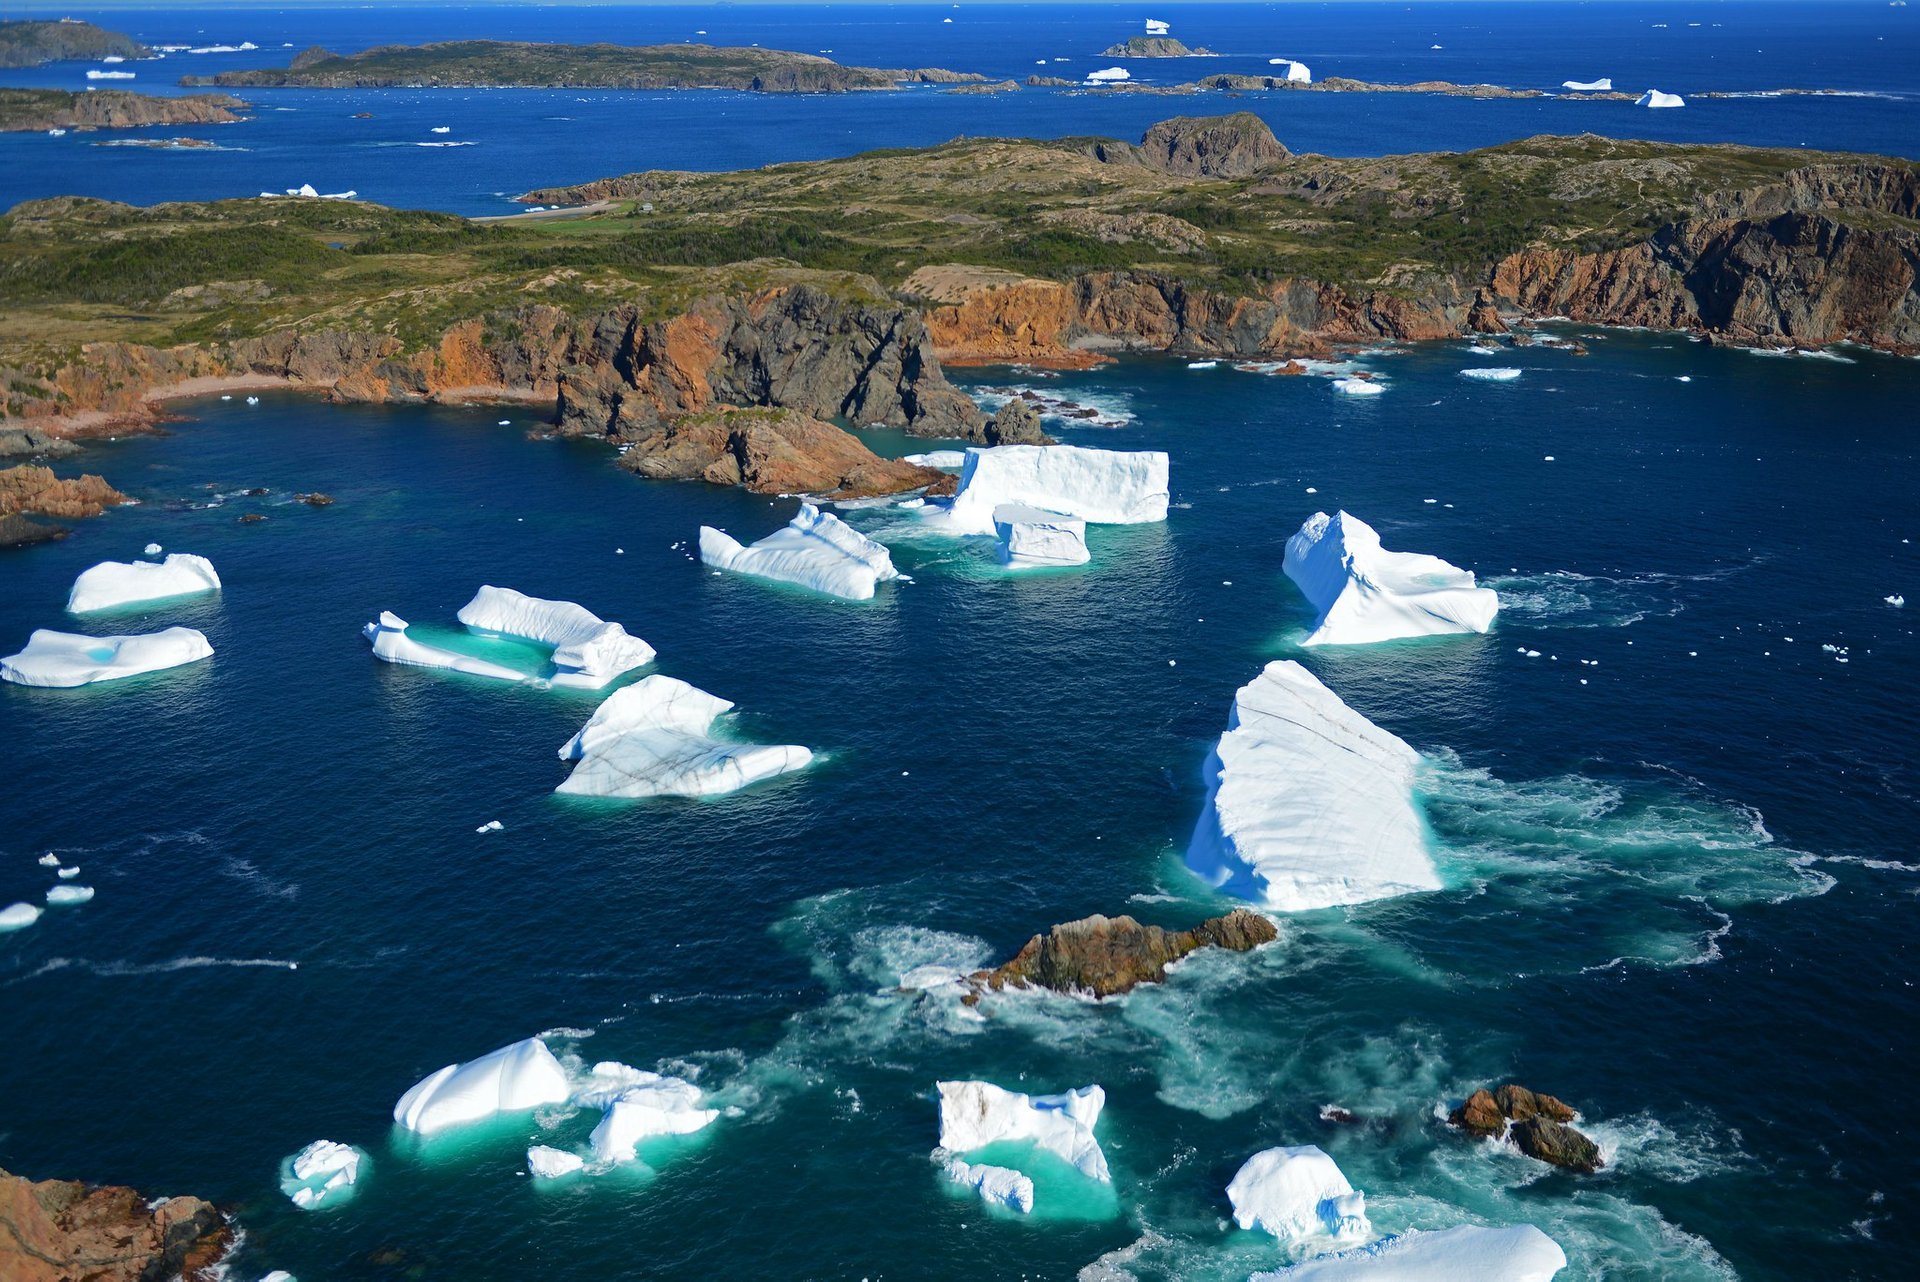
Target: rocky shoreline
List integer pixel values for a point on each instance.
(66, 1231)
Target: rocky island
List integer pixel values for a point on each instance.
(1153, 47)
(37, 110)
(470, 64)
(26, 43)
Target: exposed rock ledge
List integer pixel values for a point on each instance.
(66, 1231)
(772, 451)
(37, 110)
(1106, 956)
(1536, 1123)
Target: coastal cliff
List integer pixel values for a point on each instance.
(29, 43)
(66, 1231)
(37, 110)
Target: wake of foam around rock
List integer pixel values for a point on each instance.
(588, 652)
(392, 644)
(65, 659)
(1365, 593)
(815, 550)
(1309, 804)
(653, 739)
(113, 585)
(513, 1079)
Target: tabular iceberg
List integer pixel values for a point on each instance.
(1110, 74)
(1365, 593)
(1309, 804)
(975, 1114)
(1492, 373)
(512, 1079)
(552, 1163)
(1602, 85)
(113, 584)
(391, 643)
(19, 916)
(997, 1184)
(1102, 487)
(814, 550)
(1294, 1193)
(651, 740)
(1520, 1253)
(1031, 536)
(320, 1173)
(63, 659)
(1654, 98)
(652, 1105)
(587, 650)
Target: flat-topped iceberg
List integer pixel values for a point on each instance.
(1602, 85)
(63, 659)
(320, 1174)
(976, 1114)
(651, 1105)
(1520, 1253)
(112, 585)
(1110, 74)
(1365, 593)
(1309, 804)
(999, 1185)
(390, 642)
(547, 1163)
(19, 916)
(1031, 536)
(652, 739)
(1654, 98)
(588, 652)
(1296, 1193)
(814, 550)
(1492, 373)
(1101, 487)
(513, 1079)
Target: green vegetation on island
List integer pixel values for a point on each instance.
(25, 43)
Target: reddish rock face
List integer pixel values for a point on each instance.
(1537, 1124)
(1110, 955)
(36, 489)
(63, 1231)
(771, 452)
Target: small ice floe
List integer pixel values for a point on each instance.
(18, 917)
(56, 133)
(253, 400)
(1365, 593)
(1654, 98)
(1483, 349)
(1896, 600)
(976, 1114)
(1492, 373)
(309, 192)
(1294, 73)
(1297, 1193)
(111, 585)
(49, 860)
(320, 1174)
(1031, 536)
(441, 129)
(491, 825)
(109, 75)
(815, 550)
(505, 422)
(1547, 459)
(58, 896)
(545, 1163)
(514, 1079)
(152, 549)
(278, 1275)
(654, 739)
(647, 1106)
(1602, 85)
(999, 1185)
(1683, 378)
(1109, 75)
(68, 874)
(1203, 364)
(65, 659)
(1357, 387)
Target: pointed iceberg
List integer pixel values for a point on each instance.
(1101, 487)
(392, 644)
(1469, 1253)
(113, 584)
(976, 1114)
(1365, 593)
(652, 739)
(1296, 1193)
(64, 659)
(513, 1079)
(588, 652)
(815, 550)
(1654, 98)
(1309, 804)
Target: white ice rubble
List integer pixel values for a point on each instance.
(320, 1172)
(63, 659)
(652, 739)
(1654, 98)
(513, 1079)
(1031, 536)
(1364, 593)
(1357, 387)
(548, 1163)
(1309, 804)
(1492, 373)
(976, 1114)
(1100, 487)
(112, 585)
(1297, 1193)
(1602, 85)
(999, 1185)
(647, 1106)
(19, 916)
(588, 652)
(1295, 72)
(1469, 1253)
(391, 643)
(815, 550)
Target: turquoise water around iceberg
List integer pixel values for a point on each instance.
(1678, 895)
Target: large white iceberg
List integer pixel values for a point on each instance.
(1295, 72)
(1365, 593)
(649, 1106)
(61, 659)
(651, 739)
(391, 643)
(1295, 1193)
(815, 550)
(1032, 536)
(588, 652)
(1520, 1253)
(19, 916)
(1309, 804)
(976, 1114)
(1109, 74)
(1654, 98)
(512, 1079)
(1602, 85)
(320, 1173)
(997, 1184)
(113, 584)
(1102, 487)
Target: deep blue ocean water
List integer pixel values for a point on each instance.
(522, 140)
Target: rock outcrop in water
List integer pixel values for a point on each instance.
(770, 451)
(66, 1231)
(38, 110)
(1538, 1125)
(28, 488)
(1015, 423)
(1153, 47)
(1106, 956)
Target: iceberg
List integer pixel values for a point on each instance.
(61, 895)
(152, 549)
(997, 1184)
(1295, 1193)
(513, 1079)
(1295, 73)
(551, 1163)
(392, 644)
(113, 584)
(1357, 387)
(938, 458)
(651, 1106)
(1155, 27)
(1110, 74)
(587, 650)
(1030, 536)
(1520, 1253)
(1492, 373)
(1602, 85)
(62, 659)
(975, 1114)
(19, 916)
(1654, 98)
(652, 739)
(110, 75)
(48, 860)
(815, 550)
(1101, 487)
(319, 1173)
(1309, 805)
(68, 874)
(1365, 593)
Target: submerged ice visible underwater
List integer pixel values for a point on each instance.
(1676, 843)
